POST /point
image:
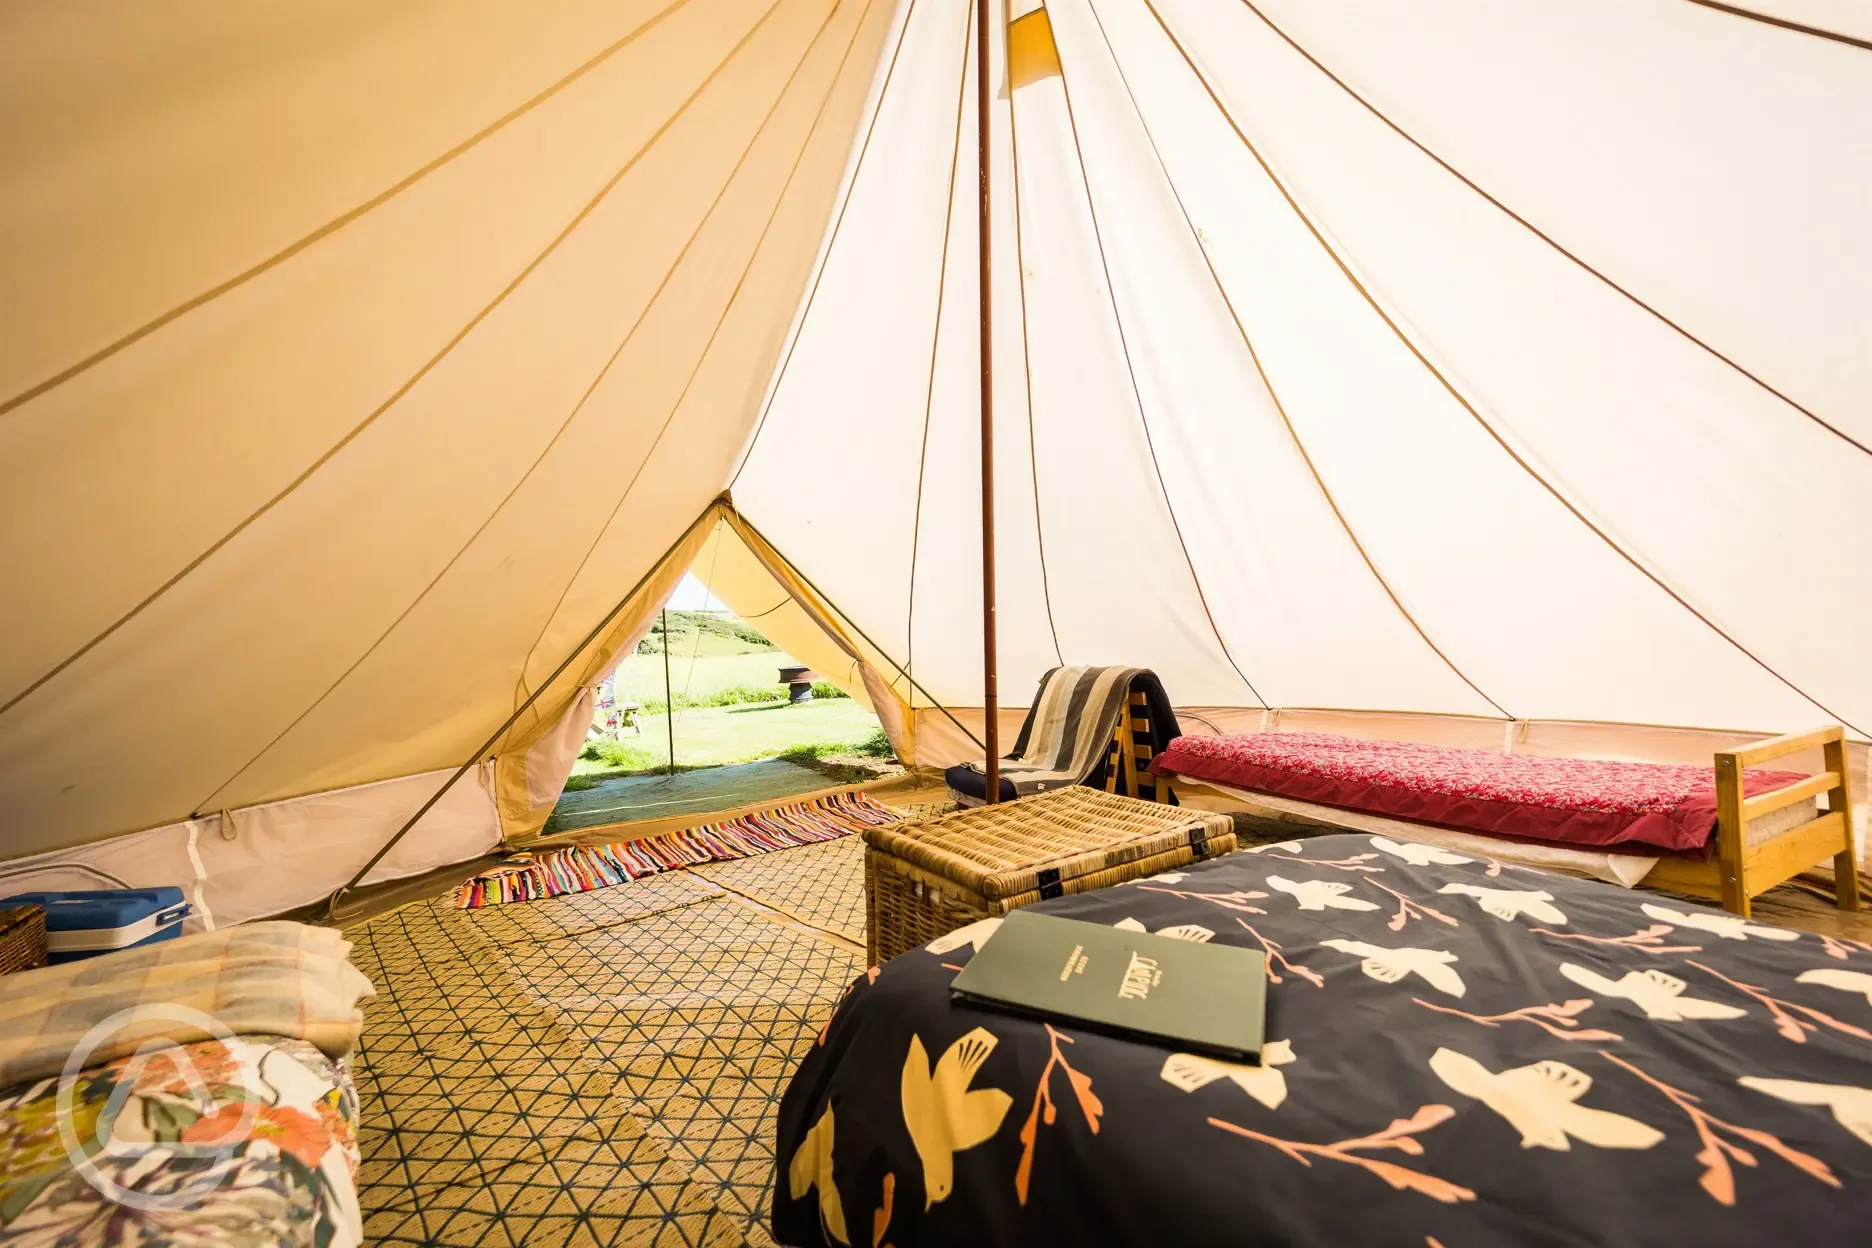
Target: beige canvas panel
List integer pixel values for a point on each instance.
(538, 751)
(171, 151)
(388, 613)
(265, 860)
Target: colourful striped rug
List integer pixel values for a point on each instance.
(582, 868)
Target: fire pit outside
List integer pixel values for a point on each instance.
(799, 682)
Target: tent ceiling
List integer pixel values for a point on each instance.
(1467, 358)
(1298, 415)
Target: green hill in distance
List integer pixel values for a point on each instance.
(720, 633)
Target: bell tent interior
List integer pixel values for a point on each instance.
(1465, 373)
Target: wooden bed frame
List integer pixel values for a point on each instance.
(1740, 871)
(1737, 872)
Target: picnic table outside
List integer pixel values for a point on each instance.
(611, 717)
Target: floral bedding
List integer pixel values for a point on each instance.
(247, 1140)
(1650, 807)
(1461, 1052)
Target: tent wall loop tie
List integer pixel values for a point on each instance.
(198, 895)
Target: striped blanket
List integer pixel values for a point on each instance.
(1066, 738)
(582, 868)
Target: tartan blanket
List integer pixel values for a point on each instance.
(1067, 734)
(275, 979)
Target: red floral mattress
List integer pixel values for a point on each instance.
(1653, 807)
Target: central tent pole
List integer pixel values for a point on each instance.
(669, 698)
(990, 700)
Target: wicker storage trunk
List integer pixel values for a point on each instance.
(22, 938)
(926, 879)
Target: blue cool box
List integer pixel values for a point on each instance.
(85, 924)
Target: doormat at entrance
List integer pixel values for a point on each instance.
(582, 868)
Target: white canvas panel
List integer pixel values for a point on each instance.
(1517, 591)
(283, 855)
(944, 651)
(1653, 439)
(851, 394)
(1253, 517)
(1121, 585)
(1846, 18)
(1712, 165)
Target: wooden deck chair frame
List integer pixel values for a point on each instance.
(1741, 871)
(1127, 764)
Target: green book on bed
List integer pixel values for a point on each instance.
(1196, 996)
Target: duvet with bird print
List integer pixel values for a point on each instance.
(1460, 1052)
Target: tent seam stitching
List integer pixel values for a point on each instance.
(825, 260)
(1267, 383)
(1461, 399)
(929, 391)
(702, 356)
(1033, 452)
(1784, 24)
(356, 431)
(1543, 235)
(578, 407)
(334, 225)
(1111, 294)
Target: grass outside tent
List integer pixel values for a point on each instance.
(720, 680)
(712, 736)
(724, 678)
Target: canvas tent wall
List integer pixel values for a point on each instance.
(258, 860)
(1327, 391)
(1465, 369)
(308, 447)
(1310, 422)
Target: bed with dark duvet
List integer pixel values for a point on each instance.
(1461, 1052)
